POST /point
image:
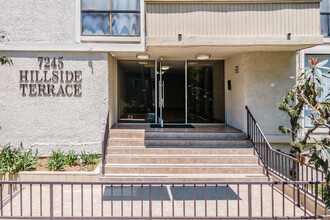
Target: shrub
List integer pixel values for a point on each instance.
(71, 158)
(56, 160)
(89, 158)
(16, 159)
(28, 160)
(10, 159)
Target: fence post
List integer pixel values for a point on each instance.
(249, 201)
(150, 203)
(51, 204)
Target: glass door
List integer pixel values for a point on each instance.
(171, 82)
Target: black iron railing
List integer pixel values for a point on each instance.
(105, 143)
(281, 164)
(154, 200)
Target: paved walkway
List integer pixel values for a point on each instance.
(171, 199)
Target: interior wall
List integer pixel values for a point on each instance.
(261, 83)
(218, 91)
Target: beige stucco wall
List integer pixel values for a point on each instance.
(46, 21)
(252, 87)
(50, 122)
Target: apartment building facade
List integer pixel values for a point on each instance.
(148, 62)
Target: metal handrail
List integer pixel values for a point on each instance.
(105, 142)
(281, 164)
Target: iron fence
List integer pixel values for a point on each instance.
(153, 200)
(283, 165)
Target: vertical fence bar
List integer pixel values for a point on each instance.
(30, 199)
(184, 201)
(216, 200)
(40, 199)
(261, 201)
(121, 200)
(272, 200)
(51, 202)
(227, 200)
(82, 199)
(111, 187)
(172, 200)
(72, 200)
(150, 202)
(11, 200)
(102, 199)
(305, 205)
(20, 199)
(249, 201)
(294, 199)
(92, 198)
(205, 194)
(132, 206)
(141, 200)
(62, 200)
(238, 200)
(283, 200)
(1, 200)
(162, 199)
(194, 200)
(316, 198)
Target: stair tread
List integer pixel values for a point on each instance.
(173, 139)
(189, 175)
(182, 146)
(179, 156)
(185, 165)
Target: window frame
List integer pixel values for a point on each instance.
(109, 38)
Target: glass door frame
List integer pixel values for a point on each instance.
(185, 89)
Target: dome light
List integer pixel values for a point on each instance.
(203, 56)
(143, 56)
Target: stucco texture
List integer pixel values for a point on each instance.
(252, 87)
(42, 21)
(51, 122)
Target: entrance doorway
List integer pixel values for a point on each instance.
(175, 92)
(171, 87)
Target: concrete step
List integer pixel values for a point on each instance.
(180, 150)
(120, 133)
(196, 135)
(191, 143)
(180, 159)
(126, 142)
(177, 135)
(184, 177)
(184, 169)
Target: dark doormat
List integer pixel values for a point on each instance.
(172, 126)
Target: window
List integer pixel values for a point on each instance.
(325, 18)
(110, 17)
(326, 82)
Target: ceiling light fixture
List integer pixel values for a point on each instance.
(203, 56)
(192, 63)
(143, 56)
(165, 67)
(143, 62)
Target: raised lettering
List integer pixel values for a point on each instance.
(23, 75)
(77, 90)
(33, 89)
(77, 76)
(23, 87)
